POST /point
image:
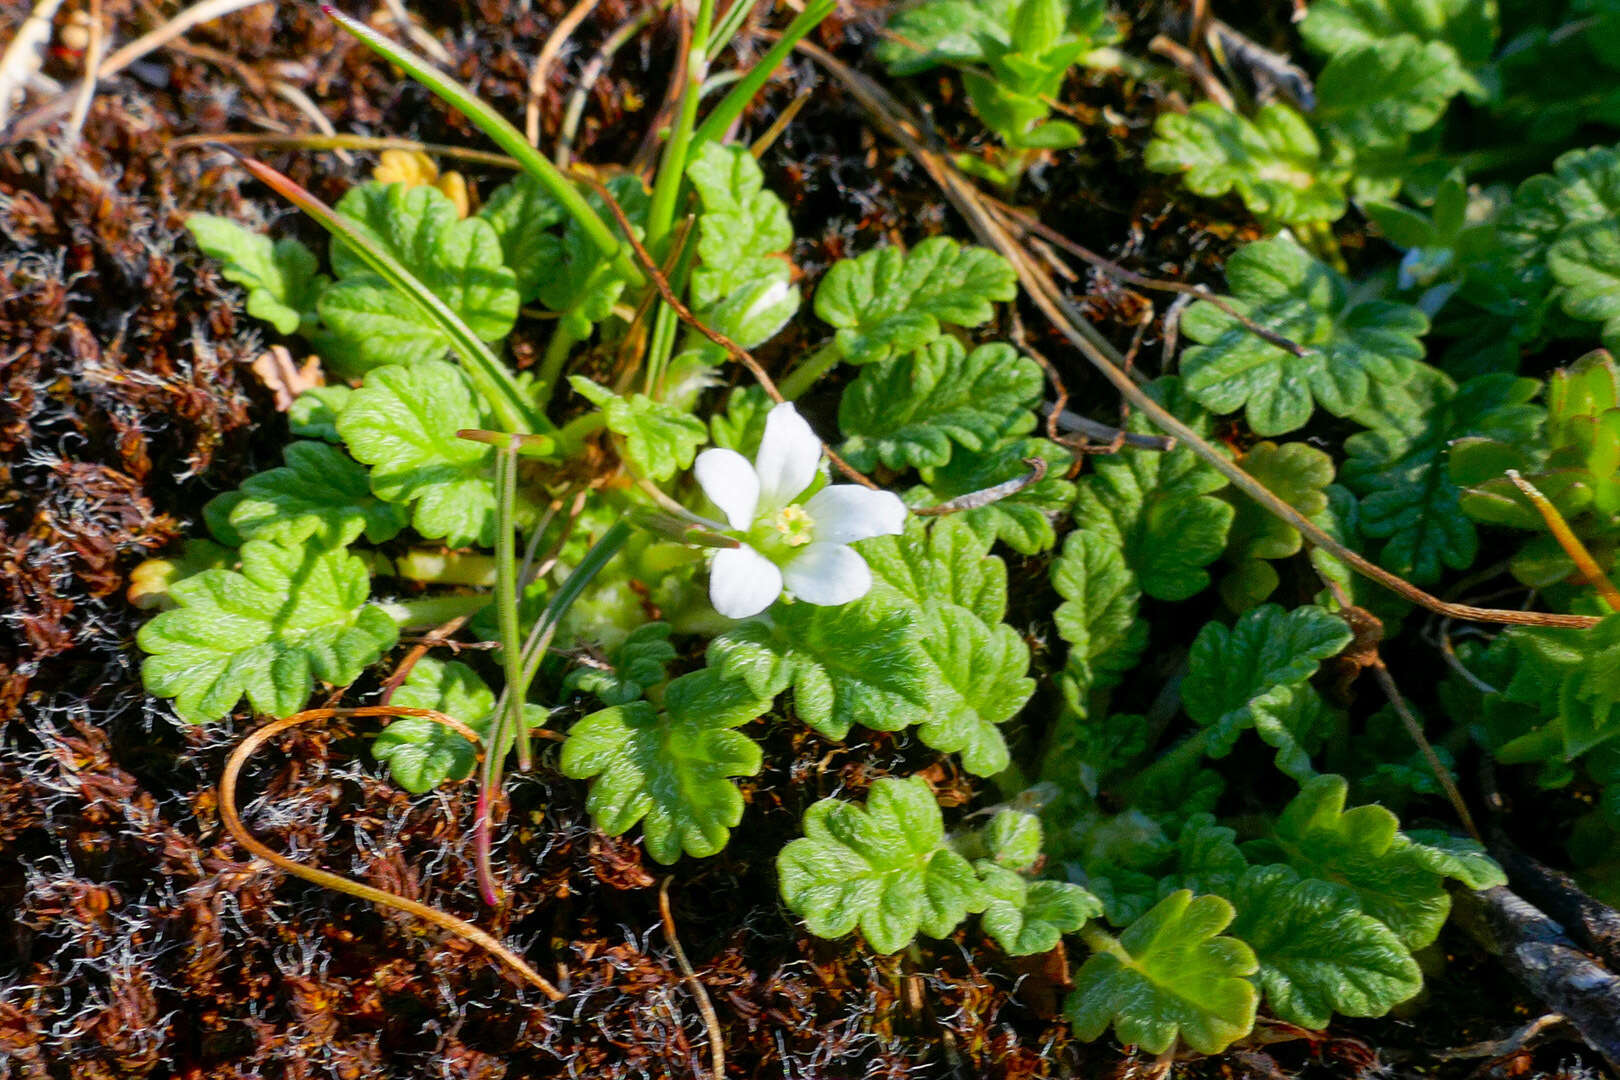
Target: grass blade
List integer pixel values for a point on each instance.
(506, 136)
(513, 409)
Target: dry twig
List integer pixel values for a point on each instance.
(325, 878)
(542, 65)
(717, 1044)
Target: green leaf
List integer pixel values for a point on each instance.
(983, 32)
(1013, 839)
(1234, 677)
(1408, 497)
(659, 439)
(742, 225)
(580, 283)
(1274, 162)
(280, 277)
(289, 617)
(908, 411)
(884, 868)
(948, 562)
(857, 663)
(1169, 975)
(1467, 27)
(1363, 855)
(422, 754)
(1029, 917)
(1023, 520)
(319, 494)
(945, 31)
(458, 260)
(1318, 953)
(1159, 508)
(314, 413)
(522, 213)
(976, 666)
(1299, 475)
(1585, 257)
(1349, 345)
(891, 301)
(1099, 614)
(1376, 94)
(403, 423)
(1572, 676)
(638, 664)
(1456, 857)
(669, 769)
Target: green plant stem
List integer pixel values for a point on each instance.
(804, 376)
(672, 169)
(563, 340)
(507, 597)
(1169, 763)
(600, 554)
(576, 431)
(431, 610)
(517, 692)
(728, 27)
(1099, 940)
(732, 105)
(492, 378)
(666, 323)
(506, 136)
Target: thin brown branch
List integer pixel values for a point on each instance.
(973, 500)
(1108, 266)
(326, 879)
(685, 314)
(1043, 292)
(717, 1043)
(542, 65)
(439, 636)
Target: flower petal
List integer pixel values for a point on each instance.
(730, 483)
(826, 573)
(844, 513)
(742, 582)
(788, 457)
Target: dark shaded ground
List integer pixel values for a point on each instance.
(136, 941)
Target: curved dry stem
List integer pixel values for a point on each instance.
(992, 229)
(717, 1044)
(325, 878)
(1582, 558)
(973, 500)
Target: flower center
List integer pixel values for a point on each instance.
(794, 525)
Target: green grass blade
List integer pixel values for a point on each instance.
(494, 381)
(732, 105)
(506, 136)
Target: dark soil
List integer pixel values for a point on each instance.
(137, 940)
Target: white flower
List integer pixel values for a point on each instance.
(804, 547)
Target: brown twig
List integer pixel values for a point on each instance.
(717, 1045)
(1113, 269)
(1038, 285)
(326, 879)
(87, 89)
(439, 636)
(1582, 558)
(684, 313)
(542, 65)
(993, 494)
